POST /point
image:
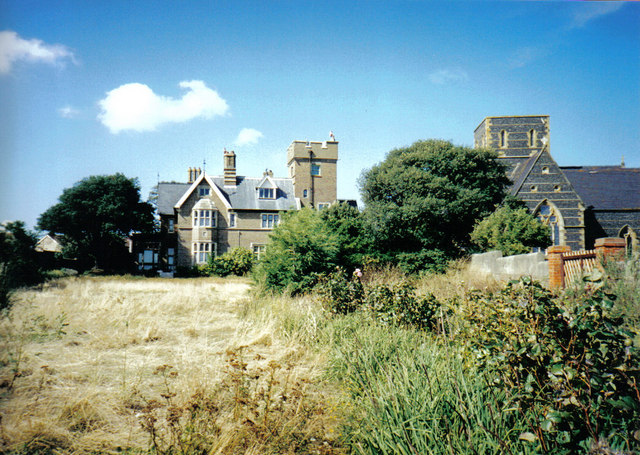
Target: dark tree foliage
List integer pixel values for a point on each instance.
(18, 263)
(349, 225)
(95, 216)
(422, 201)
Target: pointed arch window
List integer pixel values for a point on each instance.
(532, 138)
(630, 240)
(549, 215)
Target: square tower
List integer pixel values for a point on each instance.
(515, 138)
(313, 168)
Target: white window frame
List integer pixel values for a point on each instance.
(323, 205)
(201, 251)
(267, 193)
(269, 220)
(204, 191)
(204, 218)
(317, 168)
(258, 249)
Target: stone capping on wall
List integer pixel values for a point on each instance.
(553, 268)
(510, 267)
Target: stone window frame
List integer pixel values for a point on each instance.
(316, 170)
(258, 249)
(269, 220)
(202, 250)
(552, 218)
(204, 218)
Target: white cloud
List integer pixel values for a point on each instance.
(13, 48)
(248, 136)
(68, 112)
(526, 55)
(446, 76)
(586, 12)
(135, 107)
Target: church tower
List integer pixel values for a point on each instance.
(515, 138)
(313, 168)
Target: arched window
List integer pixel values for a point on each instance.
(630, 240)
(503, 139)
(532, 138)
(548, 214)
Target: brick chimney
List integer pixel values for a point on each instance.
(229, 168)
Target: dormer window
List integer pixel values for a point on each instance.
(266, 193)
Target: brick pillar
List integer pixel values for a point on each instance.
(610, 248)
(556, 265)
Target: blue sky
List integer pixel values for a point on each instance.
(152, 88)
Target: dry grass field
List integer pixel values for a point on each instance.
(86, 362)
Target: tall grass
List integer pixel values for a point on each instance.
(77, 364)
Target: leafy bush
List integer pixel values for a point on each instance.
(339, 293)
(512, 230)
(301, 248)
(238, 261)
(572, 372)
(398, 304)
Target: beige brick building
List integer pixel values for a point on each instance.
(210, 215)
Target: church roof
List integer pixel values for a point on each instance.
(606, 187)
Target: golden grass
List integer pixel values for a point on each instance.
(78, 357)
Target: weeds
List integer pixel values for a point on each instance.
(260, 409)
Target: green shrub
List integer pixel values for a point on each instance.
(572, 372)
(340, 294)
(301, 248)
(238, 261)
(398, 304)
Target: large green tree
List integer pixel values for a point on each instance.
(423, 201)
(95, 216)
(18, 263)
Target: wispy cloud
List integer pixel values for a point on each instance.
(13, 49)
(68, 112)
(248, 136)
(136, 107)
(586, 12)
(527, 55)
(447, 76)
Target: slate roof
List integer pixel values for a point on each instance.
(606, 187)
(168, 195)
(241, 197)
(521, 172)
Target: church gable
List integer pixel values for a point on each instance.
(545, 185)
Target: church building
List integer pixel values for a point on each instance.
(579, 203)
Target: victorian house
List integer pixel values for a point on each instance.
(209, 215)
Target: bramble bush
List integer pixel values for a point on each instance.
(572, 372)
(396, 304)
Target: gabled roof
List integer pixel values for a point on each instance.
(606, 187)
(266, 182)
(203, 177)
(522, 170)
(243, 196)
(168, 195)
